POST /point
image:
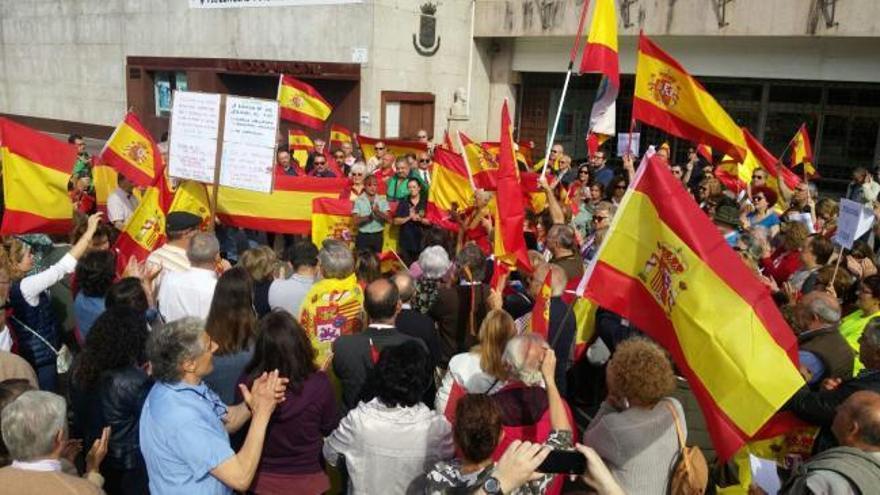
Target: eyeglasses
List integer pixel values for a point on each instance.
(760, 198)
(320, 163)
(758, 177)
(620, 186)
(357, 174)
(584, 172)
(598, 218)
(380, 148)
(422, 136)
(424, 161)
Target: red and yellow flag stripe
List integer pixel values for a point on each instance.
(668, 97)
(600, 54)
(675, 277)
(332, 219)
(397, 147)
(450, 187)
(339, 135)
(287, 209)
(301, 103)
(36, 171)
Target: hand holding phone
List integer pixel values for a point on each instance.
(565, 462)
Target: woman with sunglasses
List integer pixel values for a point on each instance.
(356, 181)
(618, 189)
(762, 214)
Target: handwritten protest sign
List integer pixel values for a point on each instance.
(195, 123)
(854, 221)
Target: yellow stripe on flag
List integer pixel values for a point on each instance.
(280, 204)
(448, 187)
(745, 371)
(33, 188)
(105, 180)
(134, 148)
(192, 197)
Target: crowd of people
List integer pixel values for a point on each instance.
(224, 362)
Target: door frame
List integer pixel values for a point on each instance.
(404, 97)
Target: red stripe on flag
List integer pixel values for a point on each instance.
(23, 222)
(277, 225)
(37, 147)
(301, 118)
(127, 247)
(309, 184)
(135, 175)
(601, 58)
(331, 206)
(305, 88)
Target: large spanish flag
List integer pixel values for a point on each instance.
(600, 56)
(736, 176)
(145, 230)
(450, 187)
(510, 245)
(300, 145)
(666, 96)
(36, 171)
(301, 103)
(482, 163)
(674, 277)
(397, 147)
(132, 152)
(339, 135)
(332, 219)
(802, 152)
(287, 209)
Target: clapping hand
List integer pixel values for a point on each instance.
(98, 451)
(265, 393)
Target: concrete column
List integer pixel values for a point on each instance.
(502, 84)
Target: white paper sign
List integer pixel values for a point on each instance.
(764, 474)
(195, 122)
(623, 139)
(805, 218)
(249, 133)
(854, 221)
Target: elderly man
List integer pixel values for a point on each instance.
(414, 323)
(184, 426)
(556, 152)
(823, 351)
(355, 354)
(180, 226)
(852, 468)
(397, 185)
(332, 307)
(320, 168)
(375, 162)
(288, 294)
(424, 171)
(286, 166)
(371, 214)
(35, 433)
(562, 244)
(189, 293)
(819, 407)
(121, 203)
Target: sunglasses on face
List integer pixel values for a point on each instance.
(760, 198)
(357, 174)
(424, 161)
(380, 148)
(599, 218)
(758, 177)
(320, 163)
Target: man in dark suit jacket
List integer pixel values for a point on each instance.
(354, 355)
(416, 324)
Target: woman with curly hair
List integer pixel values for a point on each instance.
(634, 429)
(231, 323)
(434, 263)
(94, 274)
(291, 459)
(260, 263)
(108, 388)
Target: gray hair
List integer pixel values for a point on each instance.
(31, 424)
(563, 235)
(607, 206)
(335, 259)
(172, 344)
(203, 248)
(358, 167)
(824, 310)
(515, 357)
(405, 286)
(434, 262)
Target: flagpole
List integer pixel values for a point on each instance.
(467, 164)
(571, 56)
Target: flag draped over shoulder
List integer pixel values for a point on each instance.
(450, 187)
(675, 278)
(301, 103)
(36, 171)
(339, 135)
(132, 152)
(510, 245)
(802, 152)
(600, 56)
(287, 209)
(332, 219)
(482, 163)
(669, 98)
(397, 147)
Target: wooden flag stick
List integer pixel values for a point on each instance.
(836, 266)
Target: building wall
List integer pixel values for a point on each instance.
(65, 59)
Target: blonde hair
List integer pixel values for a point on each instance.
(259, 262)
(14, 252)
(495, 331)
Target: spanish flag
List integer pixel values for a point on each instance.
(332, 219)
(523, 150)
(705, 151)
(286, 210)
(36, 171)
(450, 187)
(669, 98)
(105, 181)
(802, 152)
(145, 230)
(737, 176)
(447, 141)
(600, 56)
(396, 147)
(132, 152)
(541, 309)
(300, 146)
(300, 103)
(675, 278)
(584, 311)
(482, 163)
(339, 135)
(510, 245)
(192, 196)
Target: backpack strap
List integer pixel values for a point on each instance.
(678, 430)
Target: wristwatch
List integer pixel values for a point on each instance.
(492, 486)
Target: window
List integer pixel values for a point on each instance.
(164, 84)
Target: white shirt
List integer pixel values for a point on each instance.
(120, 206)
(5, 339)
(34, 285)
(170, 258)
(186, 293)
(42, 465)
(465, 370)
(388, 449)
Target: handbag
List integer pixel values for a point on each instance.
(690, 472)
(63, 356)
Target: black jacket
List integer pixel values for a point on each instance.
(115, 401)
